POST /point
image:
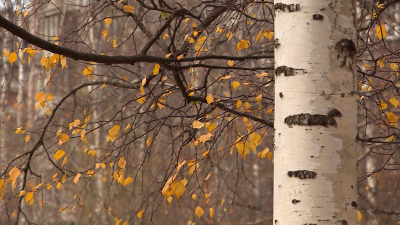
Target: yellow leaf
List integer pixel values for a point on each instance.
(210, 99)
(238, 103)
(268, 35)
(184, 181)
(219, 30)
(112, 133)
(212, 212)
(104, 33)
(141, 100)
(122, 163)
(128, 8)
(243, 44)
(230, 63)
(169, 200)
(28, 196)
(64, 161)
(127, 181)
(177, 188)
(380, 32)
(108, 21)
(12, 58)
(193, 196)
(259, 36)
(262, 154)
(63, 138)
(191, 40)
(380, 63)
(382, 105)
(102, 86)
(261, 75)
(359, 216)
(165, 36)
(199, 211)
(391, 138)
(203, 138)
(114, 44)
(76, 179)
(19, 130)
(247, 105)
(258, 98)
(229, 36)
(391, 117)
(22, 193)
(50, 97)
(270, 110)
(394, 102)
(235, 85)
(48, 111)
(394, 66)
(127, 127)
(6, 53)
(367, 66)
(48, 186)
(167, 55)
(88, 71)
(140, 213)
(212, 127)
(205, 154)
(193, 166)
(41, 98)
(27, 138)
(148, 142)
(197, 124)
(14, 173)
(60, 153)
(156, 69)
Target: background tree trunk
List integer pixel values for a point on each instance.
(315, 113)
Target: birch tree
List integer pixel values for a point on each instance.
(315, 167)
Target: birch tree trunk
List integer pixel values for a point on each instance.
(315, 113)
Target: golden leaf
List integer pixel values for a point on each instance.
(64, 161)
(108, 21)
(104, 33)
(112, 133)
(269, 156)
(141, 100)
(268, 35)
(28, 196)
(27, 138)
(165, 36)
(193, 196)
(140, 213)
(63, 138)
(394, 102)
(380, 32)
(391, 117)
(212, 212)
(128, 8)
(41, 98)
(156, 69)
(382, 105)
(359, 216)
(199, 211)
(114, 44)
(243, 44)
(230, 63)
(14, 173)
(149, 141)
(259, 36)
(127, 181)
(177, 188)
(212, 127)
(205, 137)
(262, 154)
(258, 98)
(394, 66)
(121, 163)
(60, 153)
(197, 124)
(193, 166)
(238, 103)
(380, 63)
(12, 58)
(235, 85)
(229, 36)
(210, 99)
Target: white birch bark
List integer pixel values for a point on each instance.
(315, 113)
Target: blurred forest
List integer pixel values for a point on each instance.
(161, 112)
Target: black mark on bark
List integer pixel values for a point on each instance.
(302, 174)
(287, 71)
(346, 52)
(280, 94)
(318, 17)
(354, 204)
(283, 7)
(307, 119)
(295, 201)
